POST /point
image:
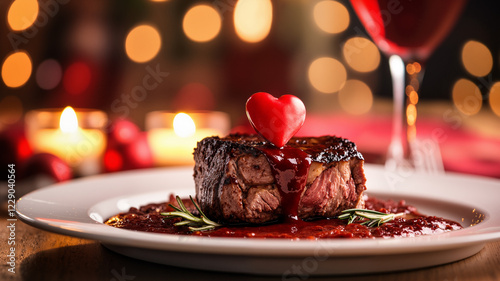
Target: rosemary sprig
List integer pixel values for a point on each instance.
(374, 218)
(195, 223)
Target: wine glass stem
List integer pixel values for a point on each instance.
(404, 113)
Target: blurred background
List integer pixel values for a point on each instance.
(130, 58)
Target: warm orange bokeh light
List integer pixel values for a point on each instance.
(331, 16)
(22, 14)
(413, 97)
(327, 75)
(201, 23)
(417, 67)
(253, 19)
(356, 97)
(411, 114)
(361, 54)
(16, 69)
(413, 68)
(495, 98)
(477, 58)
(467, 97)
(143, 43)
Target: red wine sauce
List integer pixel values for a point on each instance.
(148, 218)
(290, 167)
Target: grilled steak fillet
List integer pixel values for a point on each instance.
(235, 184)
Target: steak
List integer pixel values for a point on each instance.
(236, 181)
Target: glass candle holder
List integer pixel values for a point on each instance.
(173, 136)
(76, 136)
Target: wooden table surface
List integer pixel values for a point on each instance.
(41, 255)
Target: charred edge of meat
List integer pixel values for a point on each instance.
(324, 149)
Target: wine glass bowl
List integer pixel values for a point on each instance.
(409, 29)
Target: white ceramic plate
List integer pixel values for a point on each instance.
(79, 207)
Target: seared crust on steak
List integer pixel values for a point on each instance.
(235, 184)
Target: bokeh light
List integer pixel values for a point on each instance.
(477, 58)
(113, 160)
(327, 75)
(77, 78)
(356, 97)
(89, 38)
(467, 97)
(253, 19)
(22, 14)
(361, 54)
(11, 110)
(495, 98)
(411, 114)
(412, 96)
(48, 74)
(143, 43)
(331, 16)
(16, 69)
(413, 68)
(201, 23)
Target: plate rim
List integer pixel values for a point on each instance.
(235, 246)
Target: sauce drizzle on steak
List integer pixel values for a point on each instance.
(290, 167)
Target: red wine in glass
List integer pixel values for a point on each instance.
(410, 29)
(407, 31)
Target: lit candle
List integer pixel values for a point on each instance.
(173, 136)
(81, 147)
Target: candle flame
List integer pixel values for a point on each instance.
(184, 125)
(68, 122)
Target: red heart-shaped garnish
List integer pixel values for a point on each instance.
(277, 120)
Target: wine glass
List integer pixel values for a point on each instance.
(408, 32)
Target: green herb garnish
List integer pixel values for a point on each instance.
(371, 218)
(195, 223)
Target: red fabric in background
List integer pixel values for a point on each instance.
(462, 151)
